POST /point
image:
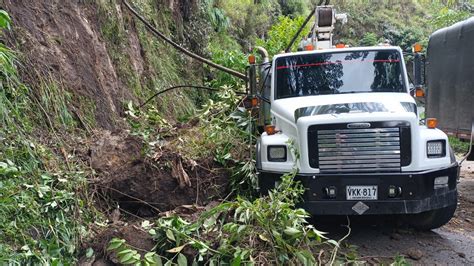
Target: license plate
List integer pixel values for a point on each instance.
(361, 192)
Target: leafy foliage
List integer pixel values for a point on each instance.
(127, 255)
(234, 59)
(216, 15)
(447, 16)
(369, 39)
(268, 230)
(41, 211)
(458, 146)
(281, 33)
(294, 7)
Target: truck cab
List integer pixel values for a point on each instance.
(362, 148)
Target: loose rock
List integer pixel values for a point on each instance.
(415, 254)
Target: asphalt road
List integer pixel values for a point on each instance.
(379, 239)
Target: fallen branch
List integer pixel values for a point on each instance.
(336, 248)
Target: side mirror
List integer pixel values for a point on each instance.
(418, 70)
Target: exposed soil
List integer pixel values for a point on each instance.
(375, 239)
(133, 233)
(135, 182)
(147, 185)
(63, 41)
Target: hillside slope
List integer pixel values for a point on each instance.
(96, 51)
(81, 163)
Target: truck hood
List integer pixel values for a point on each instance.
(291, 109)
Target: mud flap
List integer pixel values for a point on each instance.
(471, 155)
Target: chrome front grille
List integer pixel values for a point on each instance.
(359, 150)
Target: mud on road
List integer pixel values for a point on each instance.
(378, 240)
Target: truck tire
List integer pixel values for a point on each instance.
(433, 219)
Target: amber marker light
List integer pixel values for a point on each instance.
(340, 45)
(431, 122)
(309, 47)
(251, 59)
(417, 48)
(270, 129)
(419, 92)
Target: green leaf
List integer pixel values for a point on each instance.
(151, 258)
(5, 20)
(89, 253)
(291, 231)
(125, 255)
(301, 257)
(182, 261)
(115, 243)
(236, 261)
(241, 228)
(170, 235)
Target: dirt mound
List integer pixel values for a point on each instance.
(146, 185)
(134, 235)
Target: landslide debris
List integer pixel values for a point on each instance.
(146, 182)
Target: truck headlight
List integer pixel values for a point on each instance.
(277, 153)
(436, 148)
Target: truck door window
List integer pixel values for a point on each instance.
(341, 72)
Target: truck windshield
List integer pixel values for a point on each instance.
(342, 72)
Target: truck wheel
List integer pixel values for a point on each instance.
(433, 219)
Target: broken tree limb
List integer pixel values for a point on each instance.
(177, 171)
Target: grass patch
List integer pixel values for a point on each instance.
(42, 211)
(165, 67)
(460, 147)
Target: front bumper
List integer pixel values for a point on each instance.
(417, 191)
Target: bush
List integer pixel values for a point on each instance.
(281, 33)
(370, 39)
(268, 230)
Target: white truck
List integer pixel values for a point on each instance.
(350, 114)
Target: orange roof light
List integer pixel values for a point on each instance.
(431, 122)
(417, 48)
(340, 45)
(309, 47)
(270, 129)
(419, 92)
(251, 59)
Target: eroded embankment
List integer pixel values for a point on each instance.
(135, 181)
(146, 182)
